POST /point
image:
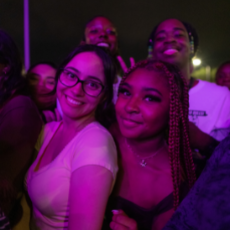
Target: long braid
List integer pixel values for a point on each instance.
(187, 152)
(178, 140)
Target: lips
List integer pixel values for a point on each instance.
(73, 102)
(130, 122)
(103, 44)
(170, 51)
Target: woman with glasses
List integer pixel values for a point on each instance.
(73, 175)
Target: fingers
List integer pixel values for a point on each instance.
(121, 221)
(132, 61)
(116, 226)
(122, 63)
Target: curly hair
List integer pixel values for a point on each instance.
(180, 153)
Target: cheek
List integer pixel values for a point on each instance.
(60, 90)
(120, 105)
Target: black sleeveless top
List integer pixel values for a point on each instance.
(144, 217)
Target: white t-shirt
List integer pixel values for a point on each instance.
(48, 187)
(209, 108)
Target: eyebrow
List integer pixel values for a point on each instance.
(89, 76)
(175, 29)
(147, 89)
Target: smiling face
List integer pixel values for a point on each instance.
(75, 103)
(223, 76)
(142, 108)
(41, 81)
(42, 78)
(100, 31)
(171, 43)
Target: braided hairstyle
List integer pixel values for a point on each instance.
(178, 139)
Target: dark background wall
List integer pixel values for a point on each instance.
(56, 26)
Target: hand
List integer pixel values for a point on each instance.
(200, 140)
(121, 221)
(123, 65)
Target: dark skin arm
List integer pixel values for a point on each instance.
(201, 141)
(19, 130)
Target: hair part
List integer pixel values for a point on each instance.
(178, 139)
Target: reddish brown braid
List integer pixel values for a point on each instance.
(180, 153)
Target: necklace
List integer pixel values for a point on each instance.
(143, 160)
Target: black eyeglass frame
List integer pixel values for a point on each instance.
(81, 81)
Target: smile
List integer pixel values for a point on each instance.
(170, 51)
(73, 102)
(103, 44)
(130, 123)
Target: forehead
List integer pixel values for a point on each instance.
(43, 68)
(87, 63)
(225, 68)
(169, 25)
(100, 21)
(142, 78)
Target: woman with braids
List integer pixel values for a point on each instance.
(156, 167)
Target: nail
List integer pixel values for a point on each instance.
(115, 212)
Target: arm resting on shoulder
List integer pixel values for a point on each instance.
(89, 191)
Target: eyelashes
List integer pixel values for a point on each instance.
(146, 97)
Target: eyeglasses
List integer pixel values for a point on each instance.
(90, 87)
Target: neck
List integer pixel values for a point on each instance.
(146, 148)
(186, 73)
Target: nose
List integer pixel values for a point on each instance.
(77, 90)
(132, 106)
(170, 38)
(103, 34)
(41, 86)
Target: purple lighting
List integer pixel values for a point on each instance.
(26, 35)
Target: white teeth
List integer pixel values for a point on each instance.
(103, 44)
(170, 51)
(73, 101)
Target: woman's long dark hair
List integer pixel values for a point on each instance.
(12, 82)
(104, 111)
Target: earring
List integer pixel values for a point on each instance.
(150, 49)
(191, 43)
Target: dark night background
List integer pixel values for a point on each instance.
(56, 26)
